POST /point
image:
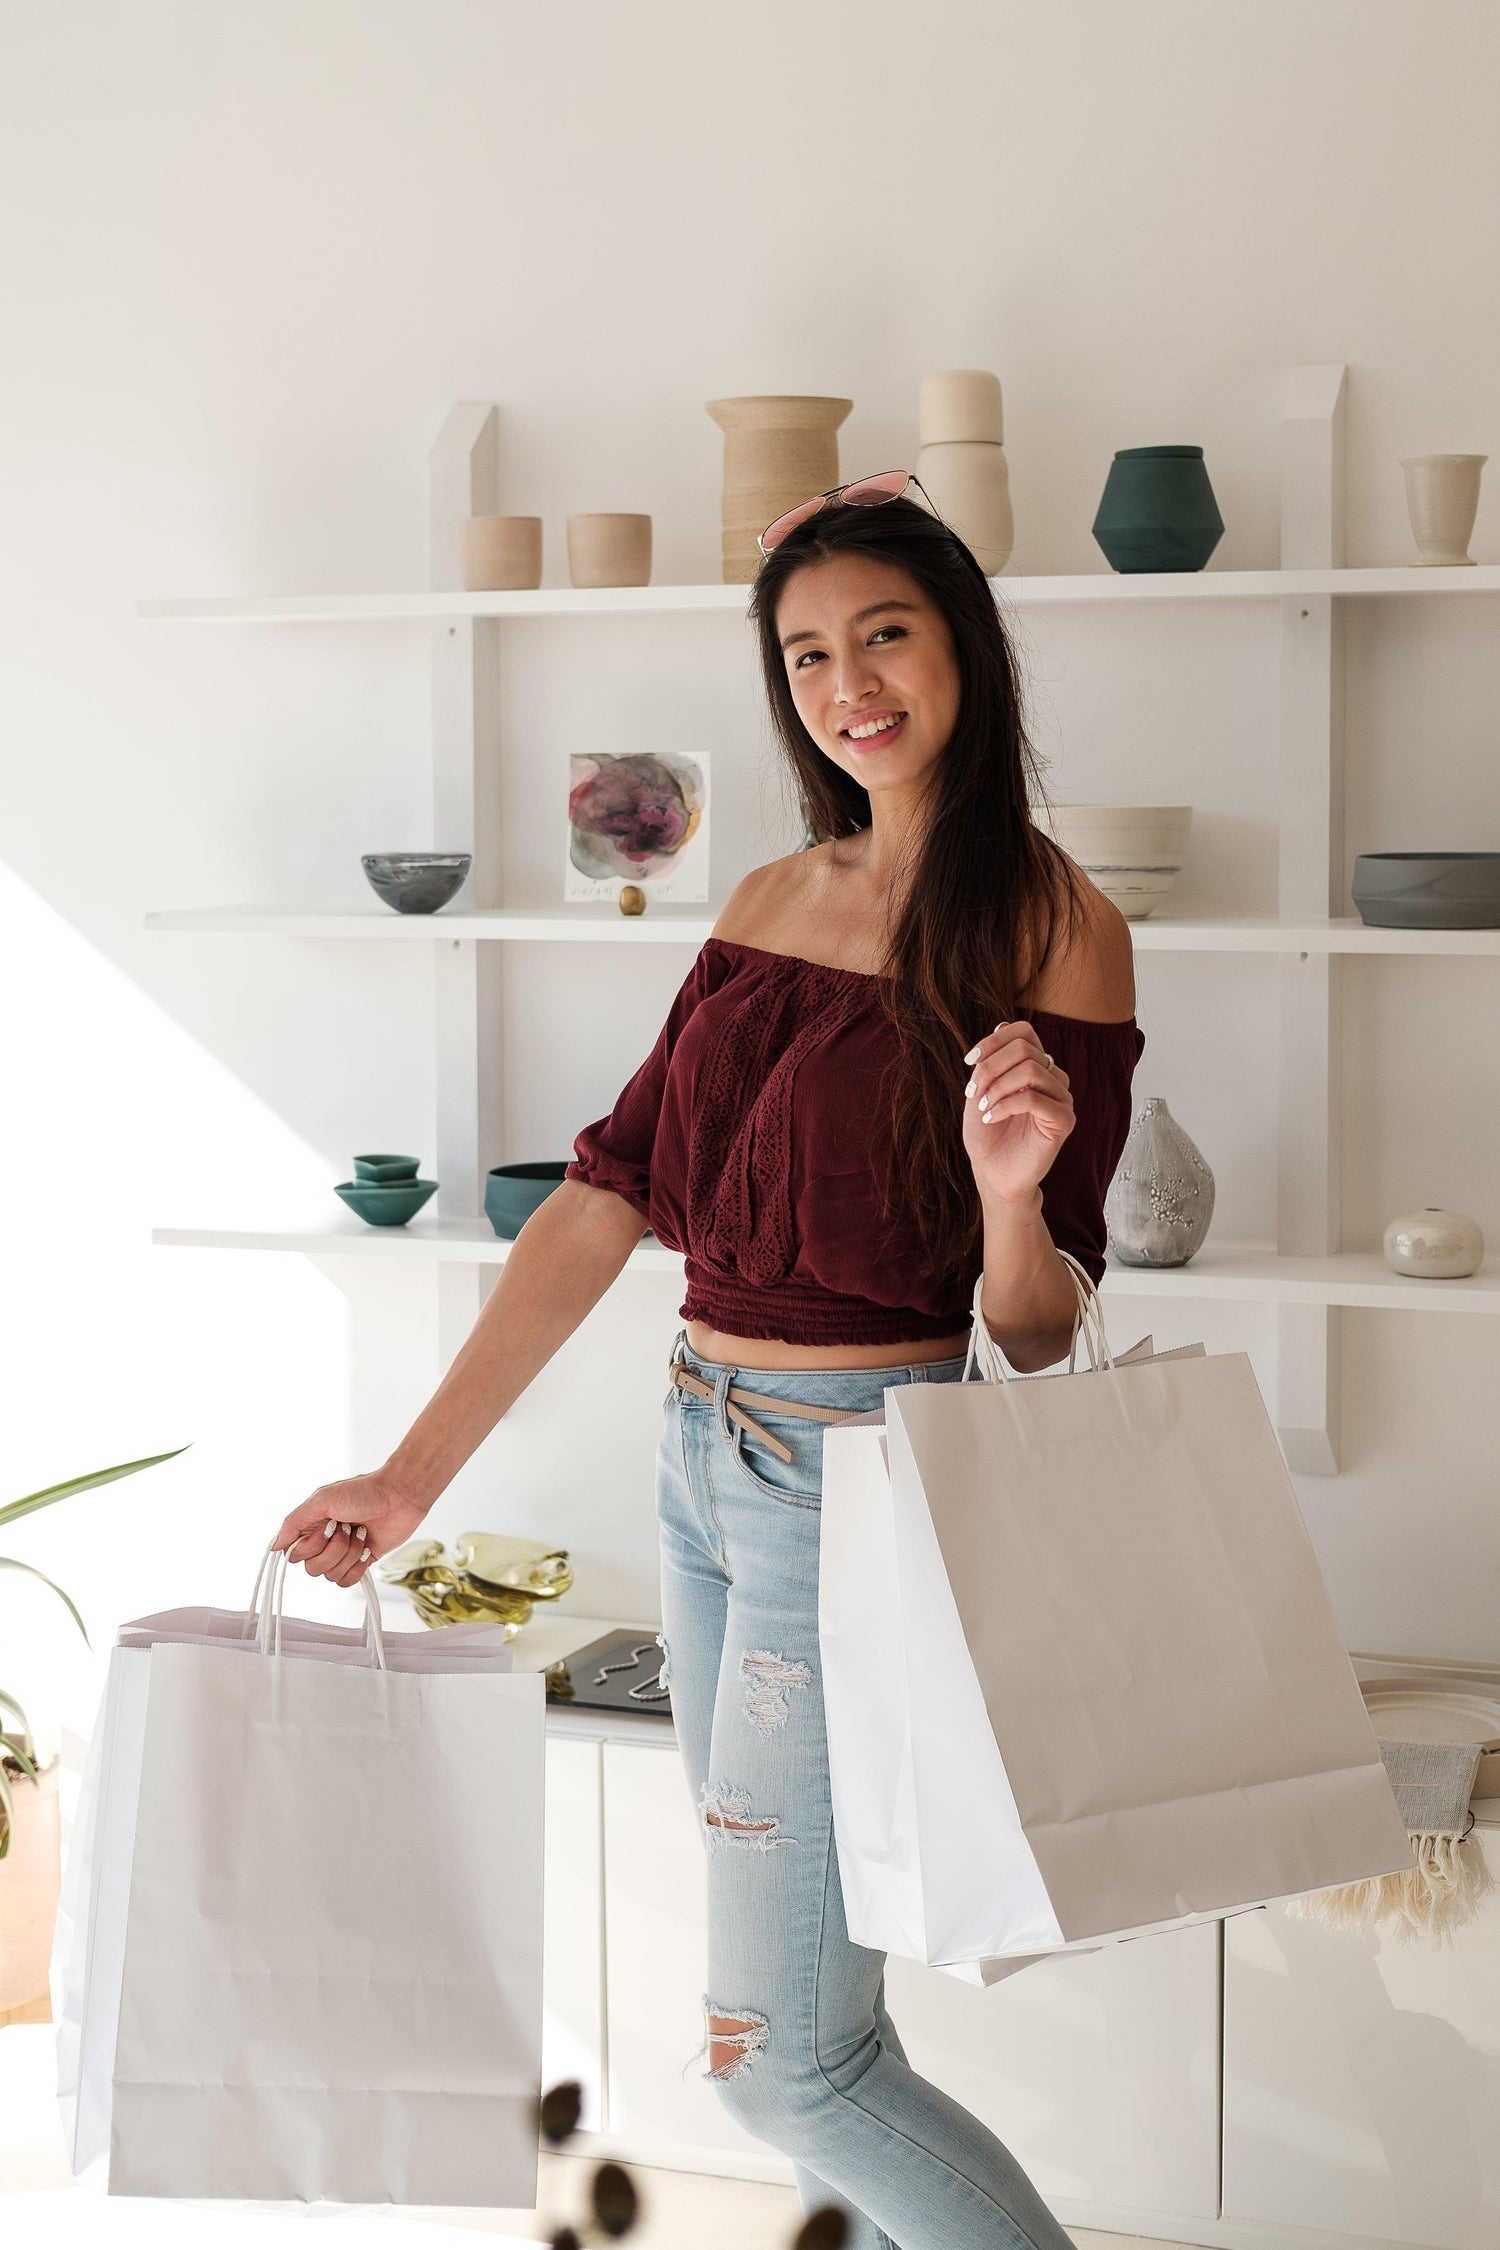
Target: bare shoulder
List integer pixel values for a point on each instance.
(764, 901)
(1091, 970)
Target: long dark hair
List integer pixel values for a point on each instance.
(985, 893)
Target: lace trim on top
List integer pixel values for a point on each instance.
(740, 1155)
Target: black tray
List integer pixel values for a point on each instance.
(630, 1659)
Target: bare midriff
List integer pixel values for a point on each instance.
(768, 1352)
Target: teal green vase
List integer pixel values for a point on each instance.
(1158, 510)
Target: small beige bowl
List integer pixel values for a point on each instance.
(609, 550)
(501, 554)
(1133, 852)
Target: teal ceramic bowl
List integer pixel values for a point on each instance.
(513, 1191)
(385, 1204)
(385, 1169)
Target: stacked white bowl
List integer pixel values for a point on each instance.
(1133, 852)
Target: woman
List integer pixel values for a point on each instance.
(903, 1056)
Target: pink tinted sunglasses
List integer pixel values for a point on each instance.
(865, 492)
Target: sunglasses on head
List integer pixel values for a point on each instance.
(865, 492)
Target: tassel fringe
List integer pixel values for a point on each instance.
(1433, 1898)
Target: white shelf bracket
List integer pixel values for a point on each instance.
(1310, 888)
(464, 480)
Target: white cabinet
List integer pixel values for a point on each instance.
(573, 1909)
(656, 1923)
(1362, 2079)
(1100, 2073)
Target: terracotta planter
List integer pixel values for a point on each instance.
(29, 1877)
(777, 451)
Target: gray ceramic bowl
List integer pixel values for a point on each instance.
(1428, 890)
(513, 1191)
(415, 882)
(385, 1170)
(388, 1206)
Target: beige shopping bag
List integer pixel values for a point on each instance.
(1082, 1675)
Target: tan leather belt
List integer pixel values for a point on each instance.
(736, 1400)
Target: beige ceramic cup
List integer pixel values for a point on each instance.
(609, 550)
(501, 554)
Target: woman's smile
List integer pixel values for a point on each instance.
(873, 729)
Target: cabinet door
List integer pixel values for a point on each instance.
(573, 1946)
(656, 1925)
(1362, 2078)
(1100, 2073)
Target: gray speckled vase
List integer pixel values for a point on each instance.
(1162, 1195)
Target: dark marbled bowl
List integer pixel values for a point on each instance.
(1428, 890)
(416, 882)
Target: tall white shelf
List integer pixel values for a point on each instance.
(1305, 1274)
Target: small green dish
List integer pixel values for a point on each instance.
(385, 1170)
(513, 1191)
(388, 1203)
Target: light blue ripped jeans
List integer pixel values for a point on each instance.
(801, 2048)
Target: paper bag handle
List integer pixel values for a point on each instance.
(263, 1621)
(1088, 1322)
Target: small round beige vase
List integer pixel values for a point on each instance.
(501, 554)
(1442, 499)
(777, 450)
(961, 462)
(1440, 1245)
(609, 550)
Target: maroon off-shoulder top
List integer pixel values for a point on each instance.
(754, 1137)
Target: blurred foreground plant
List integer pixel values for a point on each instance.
(614, 2203)
(16, 1744)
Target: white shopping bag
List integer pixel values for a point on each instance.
(1082, 1677)
(384, 2043)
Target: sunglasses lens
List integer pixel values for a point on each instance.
(775, 532)
(870, 491)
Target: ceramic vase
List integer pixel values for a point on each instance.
(501, 553)
(1161, 1198)
(1158, 510)
(1442, 498)
(1439, 1245)
(961, 461)
(609, 550)
(777, 451)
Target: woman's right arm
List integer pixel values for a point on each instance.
(560, 1265)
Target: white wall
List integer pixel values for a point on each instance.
(250, 253)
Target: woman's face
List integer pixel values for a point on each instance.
(871, 665)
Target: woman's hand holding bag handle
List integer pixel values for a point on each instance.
(1088, 1322)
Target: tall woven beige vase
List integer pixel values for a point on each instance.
(777, 451)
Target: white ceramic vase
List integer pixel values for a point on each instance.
(1439, 1245)
(1161, 1198)
(961, 462)
(1442, 499)
(777, 450)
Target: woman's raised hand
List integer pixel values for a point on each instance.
(1017, 1112)
(341, 1530)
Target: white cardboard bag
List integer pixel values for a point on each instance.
(308, 1916)
(1082, 1676)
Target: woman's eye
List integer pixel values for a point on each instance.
(898, 630)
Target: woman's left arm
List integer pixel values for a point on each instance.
(1018, 1111)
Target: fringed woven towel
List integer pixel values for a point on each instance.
(1442, 1889)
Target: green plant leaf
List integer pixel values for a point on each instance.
(13, 1509)
(8, 1562)
(7, 1806)
(9, 1703)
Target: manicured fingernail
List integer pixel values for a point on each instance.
(329, 1529)
(973, 1054)
(968, 1089)
(346, 1527)
(360, 1531)
(364, 1554)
